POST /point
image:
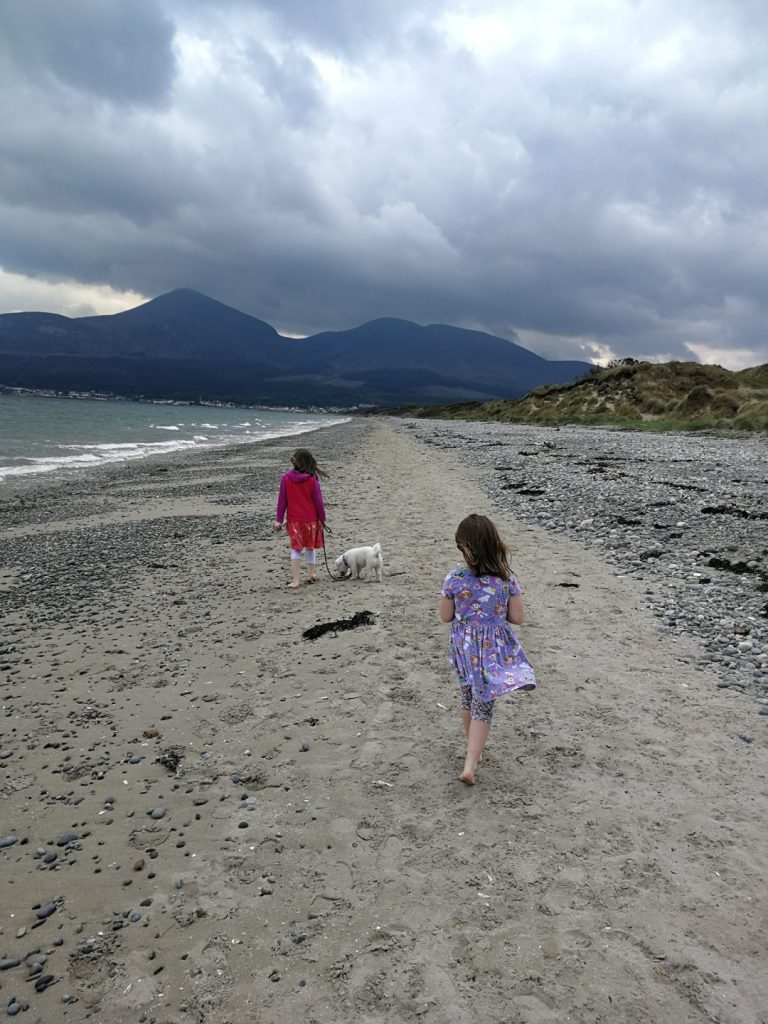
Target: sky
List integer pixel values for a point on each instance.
(587, 176)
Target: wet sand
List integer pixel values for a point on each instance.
(217, 820)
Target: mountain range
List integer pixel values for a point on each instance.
(185, 345)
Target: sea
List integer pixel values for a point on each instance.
(41, 434)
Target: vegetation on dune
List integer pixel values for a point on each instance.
(634, 394)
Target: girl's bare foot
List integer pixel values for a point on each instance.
(467, 777)
(294, 586)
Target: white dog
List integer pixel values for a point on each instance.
(357, 561)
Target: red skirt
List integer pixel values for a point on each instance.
(305, 535)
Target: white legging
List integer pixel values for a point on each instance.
(310, 553)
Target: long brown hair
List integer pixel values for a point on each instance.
(485, 552)
(305, 462)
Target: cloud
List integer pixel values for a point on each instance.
(116, 51)
(344, 27)
(69, 298)
(586, 173)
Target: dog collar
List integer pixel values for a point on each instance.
(346, 563)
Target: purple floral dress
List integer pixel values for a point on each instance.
(485, 653)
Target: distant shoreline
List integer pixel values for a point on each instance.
(99, 396)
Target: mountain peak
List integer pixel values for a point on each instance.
(186, 306)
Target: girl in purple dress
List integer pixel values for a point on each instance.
(480, 601)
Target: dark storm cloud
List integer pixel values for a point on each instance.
(589, 174)
(119, 51)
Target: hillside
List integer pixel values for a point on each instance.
(474, 358)
(688, 396)
(184, 345)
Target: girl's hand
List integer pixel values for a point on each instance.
(277, 526)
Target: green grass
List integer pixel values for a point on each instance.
(641, 396)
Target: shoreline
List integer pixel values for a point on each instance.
(216, 819)
(71, 473)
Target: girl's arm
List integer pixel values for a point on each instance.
(515, 613)
(282, 502)
(317, 495)
(447, 609)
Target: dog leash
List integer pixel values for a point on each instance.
(324, 528)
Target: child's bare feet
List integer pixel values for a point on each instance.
(294, 586)
(467, 777)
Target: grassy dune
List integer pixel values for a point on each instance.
(650, 396)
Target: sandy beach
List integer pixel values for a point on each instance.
(206, 817)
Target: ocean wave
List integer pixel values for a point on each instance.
(94, 455)
(90, 455)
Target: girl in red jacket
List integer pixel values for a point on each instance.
(300, 496)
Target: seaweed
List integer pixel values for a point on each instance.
(364, 618)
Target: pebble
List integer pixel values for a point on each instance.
(8, 841)
(157, 813)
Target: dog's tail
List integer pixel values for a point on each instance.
(377, 548)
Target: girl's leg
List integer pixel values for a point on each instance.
(465, 706)
(311, 573)
(481, 714)
(295, 570)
